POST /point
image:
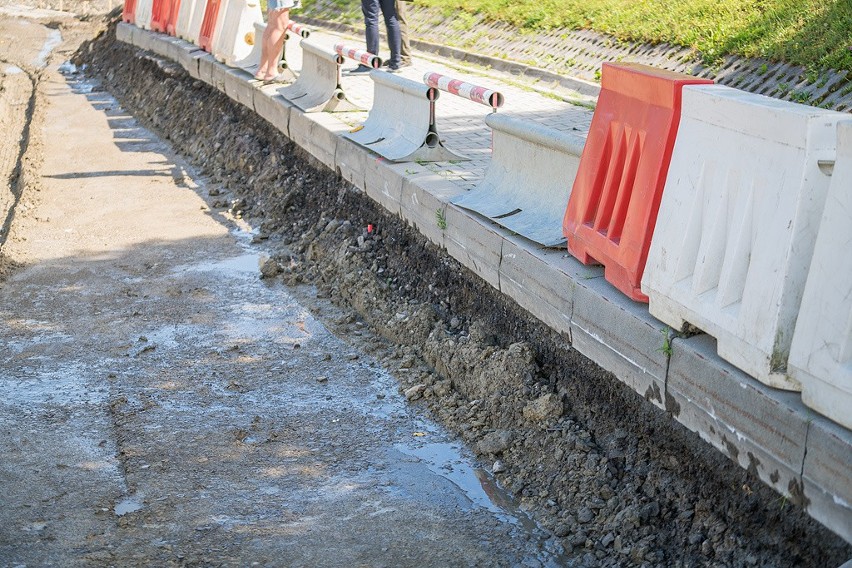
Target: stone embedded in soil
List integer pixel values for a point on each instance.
(495, 442)
(544, 409)
(498, 467)
(415, 392)
(268, 267)
(585, 515)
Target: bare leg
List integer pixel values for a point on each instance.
(273, 43)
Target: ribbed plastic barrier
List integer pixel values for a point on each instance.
(143, 13)
(160, 10)
(209, 24)
(616, 195)
(128, 12)
(742, 207)
(185, 17)
(197, 20)
(171, 22)
(475, 93)
(318, 86)
(821, 352)
(401, 125)
(237, 37)
(529, 177)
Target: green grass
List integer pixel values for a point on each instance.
(814, 33)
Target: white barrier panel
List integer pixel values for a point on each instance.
(821, 353)
(143, 14)
(318, 86)
(401, 124)
(529, 178)
(237, 37)
(196, 21)
(219, 24)
(738, 221)
(185, 12)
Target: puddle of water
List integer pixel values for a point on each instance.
(129, 504)
(53, 40)
(238, 265)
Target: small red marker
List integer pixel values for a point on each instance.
(370, 228)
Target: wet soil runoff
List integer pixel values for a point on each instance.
(617, 481)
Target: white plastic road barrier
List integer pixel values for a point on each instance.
(363, 57)
(529, 178)
(237, 37)
(220, 23)
(318, 86)
(481, 95)
(737, 223)
(251, 61)
(185, 12)
(401, 124)
(821, 353)
(143, 14)
(196, 21)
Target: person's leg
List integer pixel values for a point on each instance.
(404, 42)
(392, 24)
(370, 8)
(273, 43)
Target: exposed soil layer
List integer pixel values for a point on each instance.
(619, 482)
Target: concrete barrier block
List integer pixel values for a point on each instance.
(763, 429)
(206, 68)
(272, 107)
(192, 63)
(542, 280)
(740, 213)
(528, 180)
(158, 44)
(251, 60)
(236, 38)
(821, 351)
(827, 476)
(401, 124)
(219, 74)
(351, 162)
(384, 181)
(238, 87)
(142, 39)
(124, 32)
(620, 336)
(318, 87)
(317, 133)
(477, 244)
(423, 203)
(187, 57)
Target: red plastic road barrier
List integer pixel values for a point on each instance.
(160, 14)
(128, 13)
(616, 195)
(363, 57)
(208, 24)
(171, 23)
(297, 29)
(467, 90)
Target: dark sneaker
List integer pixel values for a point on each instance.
(360, 70)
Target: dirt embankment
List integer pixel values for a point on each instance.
(616, 480)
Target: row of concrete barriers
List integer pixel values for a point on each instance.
(739, 181)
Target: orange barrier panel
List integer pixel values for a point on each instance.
(171, 23)
(160, 15)
(616, 195)
(208, 24)
(128, 12)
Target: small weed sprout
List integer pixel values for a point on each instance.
(440, 219)
(666, 347)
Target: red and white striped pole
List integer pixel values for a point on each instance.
(475, 93)
(362, 57)
(298, 29)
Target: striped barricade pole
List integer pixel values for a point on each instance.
(296, 29)
(401, 124)
(318, 86)
(475, 93)
(363, 57)
(528, 180)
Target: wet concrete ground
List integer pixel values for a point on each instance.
(164, 405)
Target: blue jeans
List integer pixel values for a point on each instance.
(371, 21)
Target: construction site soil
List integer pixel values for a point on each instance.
(615, 480)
